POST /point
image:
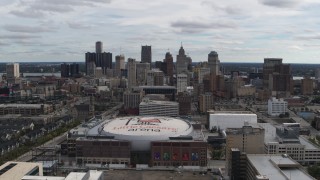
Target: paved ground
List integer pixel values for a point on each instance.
(154, 175)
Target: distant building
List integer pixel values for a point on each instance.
(248, 140)
(65, 70)
(74, 69)
(146, 55)
(99, 58)
(99, 47)
(155, 77)
(142, 69)
(307, 86)
(90, 64)
(131, 73)
(169, 67)
(182, 61)
(120, 64)
(132, 100)
(317, 73)
(184, 100)
(182, 82)
(158, 108)
(277, 106)
(214, 63)
(268, 68)
(201, 73)
(12, 70)
(205, 102)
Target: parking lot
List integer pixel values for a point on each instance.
(155, 175)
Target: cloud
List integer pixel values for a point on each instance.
(281, 3)
(295, 47)
(28, 29)
(79, 25)
(28, 13)
(197, 26)
(39, 8)
(19, 36)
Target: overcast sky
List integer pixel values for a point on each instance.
(239, 30)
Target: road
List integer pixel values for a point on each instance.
(55, 141)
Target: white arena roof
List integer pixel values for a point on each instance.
(140, 130)
(147, 126)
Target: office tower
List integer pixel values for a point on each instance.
(201, 73)
(142, 69)
(74, 69)
(131, 73)
(205, 102)
(268, 68)
(65, 70)
(155, 77)
(168, 66)
(307, 86)
(99, 47)
(317, 73)
(13, 70)
(184, 100)
(248, 139)
(182, 62)
(182, 82)
(214, 63)
(90, 63)
(104, 60)
(120, 64)
(281, 81)
(146, 55)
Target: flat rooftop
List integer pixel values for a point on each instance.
(17, 170)
(277, 167)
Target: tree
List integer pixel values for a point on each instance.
(314, 171)
(281, 116)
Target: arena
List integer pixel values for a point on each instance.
(140, 131)
(157, 141)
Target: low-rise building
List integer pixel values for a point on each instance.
(277, 106)
(158, 108)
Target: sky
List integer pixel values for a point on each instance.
(240, 31)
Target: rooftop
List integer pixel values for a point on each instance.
(277, 167)
(17, 170)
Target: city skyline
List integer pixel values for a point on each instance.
(44, 30)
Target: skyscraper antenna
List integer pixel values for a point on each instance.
(120, 50)
(181, 43)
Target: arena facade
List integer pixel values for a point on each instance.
(156, 141)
